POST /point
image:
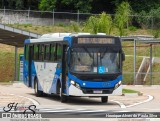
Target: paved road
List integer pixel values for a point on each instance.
(91, 103)
(151, 106)
(90, 106)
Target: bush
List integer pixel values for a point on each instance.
(102, 24)
(122, 17)
(132, 28)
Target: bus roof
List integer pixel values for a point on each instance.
(56, 37)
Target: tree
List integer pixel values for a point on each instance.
(102, 24)
(105, 23)
(47, 5)
(122, 16)
(92, 24)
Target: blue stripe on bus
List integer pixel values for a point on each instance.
(27, 41)
(93, 84)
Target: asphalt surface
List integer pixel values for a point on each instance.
(83, 107)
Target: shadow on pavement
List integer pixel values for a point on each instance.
(76, 100)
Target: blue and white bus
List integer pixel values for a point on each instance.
(74, 65)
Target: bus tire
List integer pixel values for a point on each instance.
(104, 99)
(38, 93)
(63, 98)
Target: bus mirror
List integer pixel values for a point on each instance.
(123, 56)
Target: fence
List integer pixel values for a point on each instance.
(147, 69)
(8, 16)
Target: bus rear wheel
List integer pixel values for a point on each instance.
(37, 92)
(104, 99)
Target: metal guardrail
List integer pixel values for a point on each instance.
(19, 31)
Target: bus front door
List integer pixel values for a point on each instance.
(64, 70)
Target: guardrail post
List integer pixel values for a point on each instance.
(53, 17)
(16, 64)
(78, 17)
(151, 81)
(4, 14)
(135, 62)
(28, 14)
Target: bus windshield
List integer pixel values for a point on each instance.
(94, 61)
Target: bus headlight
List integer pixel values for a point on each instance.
(118, 84)
(72, 82)
(75, 84)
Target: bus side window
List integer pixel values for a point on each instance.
(35, 52)
(41, 52)
(59, 52)
(26, 52)
(47, 52)
(52, 52)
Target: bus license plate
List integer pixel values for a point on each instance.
(97, 91)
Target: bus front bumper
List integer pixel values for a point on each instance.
(74, 91)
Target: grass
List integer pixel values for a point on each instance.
(129, 91)
(7, 52)
(7, 62)
(71, 28)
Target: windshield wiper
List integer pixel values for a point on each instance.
(88, 52)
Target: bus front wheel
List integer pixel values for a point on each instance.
(104, 99)
(63, 98)
(37, 92)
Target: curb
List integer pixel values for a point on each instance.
(135, 104)
(119, 103)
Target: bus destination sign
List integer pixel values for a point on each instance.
(96, 40)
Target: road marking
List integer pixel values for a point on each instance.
(135, 104)
(119, 103)
(30, 99)
(77, 110)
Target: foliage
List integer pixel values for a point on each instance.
(144, 20)
(92, 24)
(20, 4)
(150, 19)
(122, 16)
(102, 24)
(81, 5)
(75, 27)
(132, 28)
(129, 91)
(105, 23)
(47, 5)
(156, 33)
(95, 6)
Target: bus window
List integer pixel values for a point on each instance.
(52, 51)
(36, 50)
(47, 52)
(59, 52)
(26, 52)
(41, 52)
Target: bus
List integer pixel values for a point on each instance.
(82, 65)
